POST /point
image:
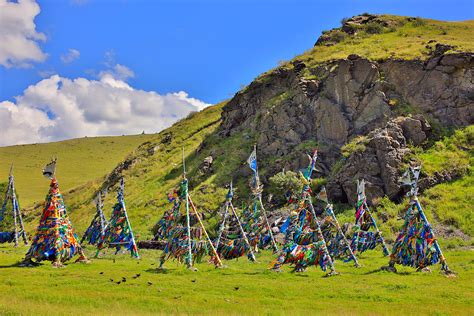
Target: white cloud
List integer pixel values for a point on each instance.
(118, 71)
(59, 108)
(71, 55)
(18, 36)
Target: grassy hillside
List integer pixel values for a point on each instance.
(157, 162)
(240, 288)
(404, 38)
(150, 178)
(79, 161)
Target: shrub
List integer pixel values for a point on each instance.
(307, 145)
(338, 36)
(417, 22)
(374, 28)
(357, 144)
(337, 166)
(284, 181)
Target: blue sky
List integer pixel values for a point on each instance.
(206, 48)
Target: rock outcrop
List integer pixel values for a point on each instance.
(380, 161)
(352, 97)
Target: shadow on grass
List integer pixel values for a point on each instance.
(158, 271)
(380, 270)
(299, 275)
(18, 265)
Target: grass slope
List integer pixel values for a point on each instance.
(79, 160)
(240, 288)
(405, 39)
(150, 178)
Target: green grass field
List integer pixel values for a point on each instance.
(79, 161)
(241, 287)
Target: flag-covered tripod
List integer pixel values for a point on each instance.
(55, 239)
(231, 248)
(304, 241)
(184, 243)
(18, 228)
(258, 212)
(416, 244)
(96, 229)
(364, 239)
(118, 232)
(338, 245)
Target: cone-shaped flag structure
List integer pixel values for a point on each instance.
(364, 239)
(96, 228)
(118, 232)
(416, 244)
(55, 239)
(11, 229)
(304, 241)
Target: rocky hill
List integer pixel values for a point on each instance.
(373, 95)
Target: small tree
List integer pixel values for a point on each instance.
(285, 181)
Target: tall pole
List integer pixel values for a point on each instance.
(258, 196)
(222, 225)
(188, 222)
(330, 211)
(379, 233)
(307, 177)
(93, 220)
(14, 210)
(244, 235)
(444, 264)
(320, 235)
(122, 203)
(17, 218)
(306, 198)
(362, 197)
(275, 247)
(214, 251)
(101, 215)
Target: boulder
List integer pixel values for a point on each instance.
(378, 164)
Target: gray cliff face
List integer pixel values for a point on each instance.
(353, 97)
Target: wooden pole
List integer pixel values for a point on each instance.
(222, 225)
(122, 202)
(338, 227)
(444, 264)
(275, 247)
(252, 255)
(320, 235)
(258, 196)
(92, 222)
(101, 215)
(214, 251)
(14, 210)
(379, 233)
(188, 223)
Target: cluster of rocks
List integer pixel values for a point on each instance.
(381, 160)
(351, 27)
(352, 97)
